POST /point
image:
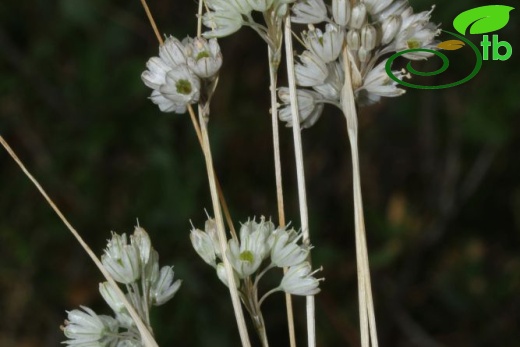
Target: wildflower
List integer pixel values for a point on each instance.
(299, 280)
(246, 256)
(111, 297)
(312, 70)
(377, 83)
(310, 106)
(285, 251)
(326, 45)
(86, 328)
(142, 241)
(121, 260)
(358, 16)
(182, 86)
(341, 12)
(163, 289)
(222, 275)
(260, 5)
(203, 57)
(222, 23)
(309, 12)
(203, 245)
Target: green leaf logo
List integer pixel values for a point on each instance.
(483, 19)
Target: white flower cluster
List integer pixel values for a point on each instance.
(136, 265)
(181, 71)
(369, 29)
(261, 247)
(227, 16)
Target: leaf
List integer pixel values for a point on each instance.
(483, 19)
(451, 45)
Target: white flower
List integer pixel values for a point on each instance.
(142, 241)
(163, 289)
(309, 12)
(312, 71)
(203, 245)
(240, 6)
(203, 57)
(396, 8)
(325, 45)
(390, 27)
(358, 16)
(111, 298)
(260, 5)
(376, 6)
(368, 37)
(331, 89)
(86, 328)
(129, 343)
(222, 275)
(181, 86)
(247, 256)
(285, 251)
(166, 105)
(222, 23)
(122, 260)
(171, 55)
(310, 106)
(299, 280)
(172, 52)
(377, 83)
(341, 12)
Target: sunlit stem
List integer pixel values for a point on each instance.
(235, 298)
(302, 195)
(366, 304)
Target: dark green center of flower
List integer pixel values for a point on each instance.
(203, 54)
(183, 87)
(247, 256)
(413, 44)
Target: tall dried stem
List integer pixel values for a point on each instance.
(274, 63)
(302, 194)
(235, 298)
(366, 304)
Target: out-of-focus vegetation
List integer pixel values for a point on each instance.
(440, 174)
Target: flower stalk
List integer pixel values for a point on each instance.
(366, 303)
(302, 194)
(235, 299)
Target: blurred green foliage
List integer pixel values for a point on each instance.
(440, 176)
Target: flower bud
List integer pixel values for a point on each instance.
(358, 16)
(363, 55)
(390, 27)
(222, 275)
(111, 298)
(260, 5)
(368, 37)
(341, 12)
(353, 39)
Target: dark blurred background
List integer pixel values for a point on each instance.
(440, 174)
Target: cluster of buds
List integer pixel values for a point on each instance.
(260, 247)
(227, 16)
(136, 265)
(369, 29)
(183, 73)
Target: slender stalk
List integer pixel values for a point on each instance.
(146, 335)
(235, 299)
(274, 63)
(302, 195)
(366, 304)
(152, 22)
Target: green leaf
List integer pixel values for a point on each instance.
(483, 19)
